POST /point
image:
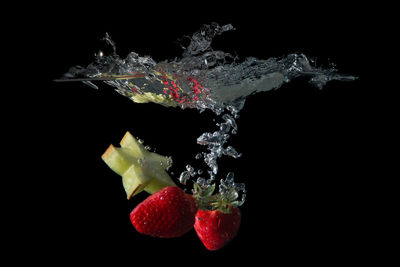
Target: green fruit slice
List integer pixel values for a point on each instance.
(157, 162)
(117, 160)
(130, 142)
(162, 180)
(140, 169)
(136, 149)
(135, 180)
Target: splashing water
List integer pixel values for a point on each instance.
(202, 78)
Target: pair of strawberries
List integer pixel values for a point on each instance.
(171, 212)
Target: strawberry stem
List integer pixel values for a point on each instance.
(224, 200)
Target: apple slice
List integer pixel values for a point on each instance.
(135, 180)
(129, 142)
(117, 160)
(140, 169)
(136, 148)
(162, 180)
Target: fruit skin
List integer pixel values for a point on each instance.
(167, 213)
(215, 228)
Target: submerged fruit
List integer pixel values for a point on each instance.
(218, 218)
(168, 213)
(216, 228)
(140, 169)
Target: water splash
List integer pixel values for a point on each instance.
(201, 78)
(216, 141)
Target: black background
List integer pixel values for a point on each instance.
(302, 147)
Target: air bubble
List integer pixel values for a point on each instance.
(140, 161)
(189, 168)
(230, 176)
(184, 177)
(169, 162)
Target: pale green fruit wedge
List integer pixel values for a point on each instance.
(159, 183)
(140, 169)
(136, 148)
(135, 180)
(117, 160)
(129, 142)
(157, 162)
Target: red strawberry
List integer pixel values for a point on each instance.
(216, 228)
(169, 212)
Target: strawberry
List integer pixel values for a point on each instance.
(216, 228)
(169, 212)
(218, 219)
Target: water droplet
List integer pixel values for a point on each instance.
(230, 176)
(147, 147)
(198, 156)
(189, 168)
(215, 169)
(184, 177)
(169, 162)
(224, 127)
(230, 151)
(140, 141)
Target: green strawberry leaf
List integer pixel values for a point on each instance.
(209, 191)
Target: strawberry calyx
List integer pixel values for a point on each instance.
(224, 200)
(203, 194)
